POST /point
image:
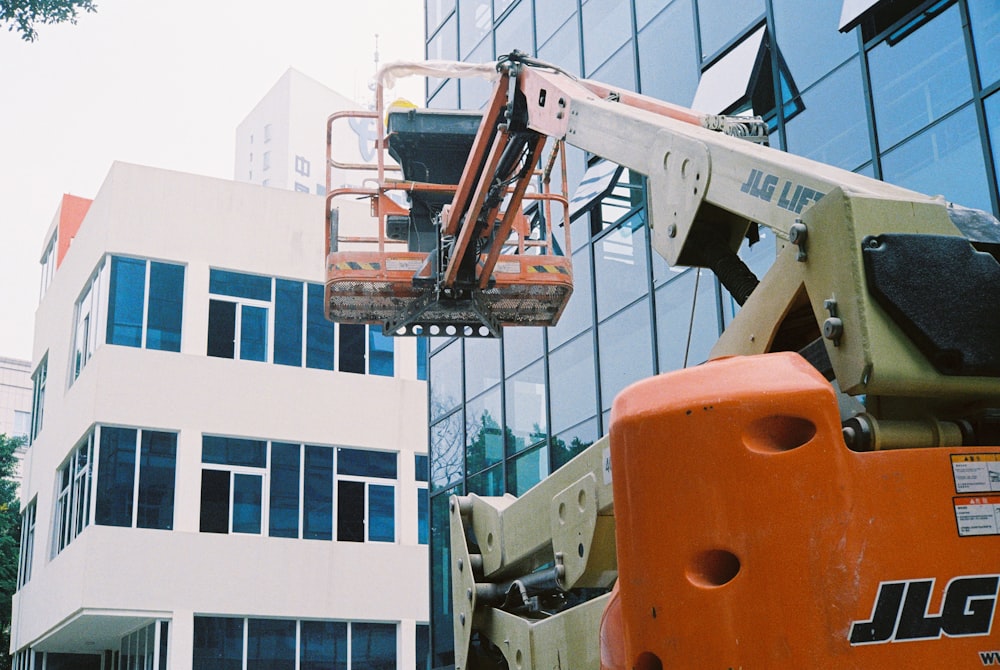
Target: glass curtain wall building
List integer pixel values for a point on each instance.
(908, 92)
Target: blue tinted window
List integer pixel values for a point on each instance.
(527, 470)
(253, 333)
(422, 515)
(668, 61)
(380, 349)
(447, 451)
(475, 19)
(423, 646)
(606, 26)
(218, 644)
(619, 70)
(233, 451)
(420, 467)
(115, 477)
(525, 405)
(126, 297)
(833, 126)
(271, 644)
(570, 443)
(352, 348)
(514, 32)
(166, 306)
(482, 365)
(422, 358)
(573, 383)
(288, 322)
(319, 331)
(945, 159)
(381, 513)
(550, 15)
(520, 347)
(985, 20)
(620, 267)
(373, 646)
(993, 124)
(919, 78)
(563, 48)
(317, 501)
(157, 467)
(239, 285)
(446, 379)
(680, 342)
(323, 645)
(626, 350)
(350, 511)
(365, 463)
(487, 483)
(579, 312)
(809, 36)
(246, 503)
(283, 517)
(721, 21)
(483, 432)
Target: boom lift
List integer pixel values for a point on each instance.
(822, 493)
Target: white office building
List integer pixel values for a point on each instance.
(218, 477)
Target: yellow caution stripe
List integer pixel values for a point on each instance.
(354, 265)
(549, 269)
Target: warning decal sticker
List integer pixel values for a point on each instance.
(978, 515)
(976, 473)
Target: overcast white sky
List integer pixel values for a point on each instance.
(163, 84)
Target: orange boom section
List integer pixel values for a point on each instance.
(750, 536)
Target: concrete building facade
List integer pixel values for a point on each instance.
(218, 477)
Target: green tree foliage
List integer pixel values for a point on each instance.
(23, 15)
(10, 538)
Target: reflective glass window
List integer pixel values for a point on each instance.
(423, 514)
(253, 333)
(984, 17)
(918, 74)
(157, 469)
(420, 467)
(322, 645)
(721, 21)
(218, 643)
(482, 364)
(514, 31)
(126, 301)
(366, 463)
(525, 405)
(488, 482)
(483, 431)
(645, 10)
(166, 306)
(501, 6)
(992, 106)
(247, 503)
(578, 313)
(446, 379)
(320, 334)
(619, 70)
(442, 637)
(475, 19)
(436, 11)
(550, 15)
(317, 498)
(945, 159)
(271, 644)
(373, 646)
(607, 25)
(380, 353)
(573, 382)
(520, 347)
(626, 350)
(351, 356)
(621, 271)
(682, 342)
(447, 452)
(423, 646)
(832, 126)
(422, 358)
(527, 469)
(476, 91)
(563, 48)
(571, 442)
(445, 97)
(115, 477)
(381, 513)
(288, 322)
(668, 59)
(810, 39)
(239, 285)
(283, 502)
(233, 451)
